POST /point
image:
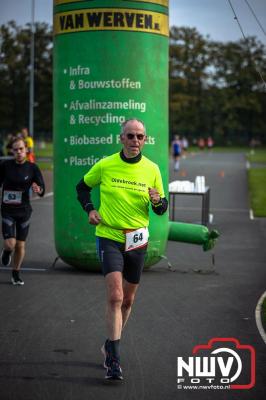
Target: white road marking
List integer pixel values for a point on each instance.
(40, 198)
(251, 215)
(258, 317)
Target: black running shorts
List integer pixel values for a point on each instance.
(113, 258)
(16, 224)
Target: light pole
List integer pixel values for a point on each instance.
(31, 101)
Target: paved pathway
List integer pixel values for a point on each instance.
(52, 328)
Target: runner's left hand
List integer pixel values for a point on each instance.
(36, 188)
(154, 195)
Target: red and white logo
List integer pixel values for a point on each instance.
(223, 363)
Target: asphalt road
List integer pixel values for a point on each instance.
(52, 328)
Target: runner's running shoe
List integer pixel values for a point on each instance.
(114, 371)
(106, 353)
(16, 280)
(6, 257)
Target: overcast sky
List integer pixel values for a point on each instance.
(211, 17)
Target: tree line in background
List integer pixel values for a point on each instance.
(216, 89)
(15, 77)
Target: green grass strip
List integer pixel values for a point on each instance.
(257, 192)
(257, 155)
(45, 165)
(46, 150)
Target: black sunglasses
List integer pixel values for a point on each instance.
(131, 136)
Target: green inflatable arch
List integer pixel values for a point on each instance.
(110, 64)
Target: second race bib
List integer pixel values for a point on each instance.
(12, 197)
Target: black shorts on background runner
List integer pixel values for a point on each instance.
(113, 258)
(16, 224)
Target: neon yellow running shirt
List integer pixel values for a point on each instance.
(124, 197)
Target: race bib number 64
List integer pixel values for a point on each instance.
(136, 239)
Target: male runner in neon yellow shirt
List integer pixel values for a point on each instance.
(128, 182)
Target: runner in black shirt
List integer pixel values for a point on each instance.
(17, 177)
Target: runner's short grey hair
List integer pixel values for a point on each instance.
(123, 125)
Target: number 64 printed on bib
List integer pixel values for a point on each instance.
(136, 238)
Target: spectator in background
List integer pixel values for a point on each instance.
(29, 143)
(201, 143)
(254, 143)
(210, 142)
(185, 146)
(176, 151)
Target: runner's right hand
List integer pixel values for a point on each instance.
(94, 217)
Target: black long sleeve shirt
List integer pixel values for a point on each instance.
(16, 180)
